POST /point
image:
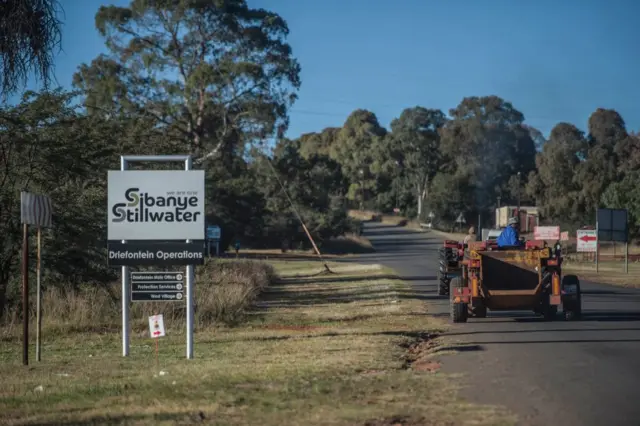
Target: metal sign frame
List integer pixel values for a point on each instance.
(612, 225)
(125, 160)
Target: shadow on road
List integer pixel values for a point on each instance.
(555, 330)
(548, 341)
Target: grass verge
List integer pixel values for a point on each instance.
(225, 290)
(609, 273)
(350, 348)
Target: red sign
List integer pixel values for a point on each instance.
(587, 238)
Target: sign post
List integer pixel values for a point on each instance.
(612, 225)
(214, 234)
(149, 210)
(34, 210)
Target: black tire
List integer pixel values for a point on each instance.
(480, 311)
(441, 289)
(459, 311)
(549, 311)
(572, 309)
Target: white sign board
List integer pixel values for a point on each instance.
(587, 241)
(541, 233)
(564, 236)
(156, 205)
(156, 326)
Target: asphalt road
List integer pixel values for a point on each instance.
(579, 373)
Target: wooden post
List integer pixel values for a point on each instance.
(39, 299)
(25, 294)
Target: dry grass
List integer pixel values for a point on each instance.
(224, 291)
(608, 273)
(332, 248)
(319, 349)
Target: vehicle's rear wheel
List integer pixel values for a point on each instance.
(572, 308)
(549, 311)
(459, 311)
(480, 311)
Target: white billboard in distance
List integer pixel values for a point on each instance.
(156, 205)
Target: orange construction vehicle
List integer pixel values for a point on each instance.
(512, 279)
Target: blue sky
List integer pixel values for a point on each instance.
(554, 60)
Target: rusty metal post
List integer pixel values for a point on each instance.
(39, 298)
(25, 294)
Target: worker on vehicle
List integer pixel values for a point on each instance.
(471, 236)
(509, 237)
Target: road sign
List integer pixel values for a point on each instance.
(157, 286)
(461, 219)
(155, 253)
(612, 225)
(156, 205)
(564, 236)
(587, 241)
(214, 232)
(35, 209)
(156, 326)
(543, 233)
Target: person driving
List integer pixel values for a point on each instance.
(509, 236)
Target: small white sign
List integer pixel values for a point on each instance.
(156, 205)
(156, 326)
(587, 241)
(543, 233)
(564, 236)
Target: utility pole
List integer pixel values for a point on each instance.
(519, 191)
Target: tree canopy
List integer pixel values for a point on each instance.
(30, 33)
(216, 79)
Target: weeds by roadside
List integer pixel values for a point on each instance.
(224, 291)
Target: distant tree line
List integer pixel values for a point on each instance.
(482, 154)
(216, 79)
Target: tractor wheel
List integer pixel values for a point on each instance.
(549, 311)
(572, 309)
(480, 311)
(443, 287)
(459, 311)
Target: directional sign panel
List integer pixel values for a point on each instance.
(157, 286)
(587, 241)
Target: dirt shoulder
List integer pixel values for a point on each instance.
(350, 348)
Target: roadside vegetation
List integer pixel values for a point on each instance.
(354, 347)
